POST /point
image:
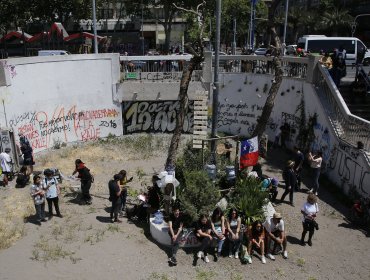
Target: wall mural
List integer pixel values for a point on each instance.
(154, 116)
(345, 160)
(64, 125)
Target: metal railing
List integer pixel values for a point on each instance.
(295, 67)
(156, 68)
(348, 127)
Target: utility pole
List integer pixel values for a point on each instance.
(216, 86)
(94, 25)
(142, 28)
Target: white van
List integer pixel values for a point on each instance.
(352, 45)
(53, 52)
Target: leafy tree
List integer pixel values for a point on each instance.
(336, 21)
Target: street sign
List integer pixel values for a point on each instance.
(131, 75)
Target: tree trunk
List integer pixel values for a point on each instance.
(277, 64)
(183, 100)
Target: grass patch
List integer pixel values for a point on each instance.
(236, 276)
(204, 275)
(158, 276)
(95, 237)
(44, 251)
(113, 228)
(280, 272)
(301, 262)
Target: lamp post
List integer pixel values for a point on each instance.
(285, 24)
(234, 36)
(94, 25)
(142, 28)
(216, 85)
(354, 22)
(251, 24)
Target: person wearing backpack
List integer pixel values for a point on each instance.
(86, 180)
(52, 190)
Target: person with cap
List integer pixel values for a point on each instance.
(275, 233)
(290, 182)
(115, 197)
(52, 192)
(86, 180)
(6, 165)
(270, 185)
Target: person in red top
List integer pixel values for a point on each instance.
(86, 180)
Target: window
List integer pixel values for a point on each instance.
(315, 46)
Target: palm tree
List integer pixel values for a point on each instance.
(336, 20)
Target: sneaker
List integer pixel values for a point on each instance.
(173, 261)
(206, 259)
(302, 242)
(44, 220)
(270, 256)
(117, 221)
(292, 204)
(285, 254)
(309, 242)
(216, 258)
(310, 190)
(248, 259)
(200, 254)
(60, 215)
(237, 255)
(316, 193)
(230, 254)
(263, 259)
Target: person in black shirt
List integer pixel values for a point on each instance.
(154, 196)
(86, 180)
(290, 182)
(175, 224)
(115, 197)
(203, 233)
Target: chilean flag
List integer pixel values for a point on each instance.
(249, 153)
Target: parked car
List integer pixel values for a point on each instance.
(260, 51)
(290, 49)
(53, 52)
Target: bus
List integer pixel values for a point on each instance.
(353, 46)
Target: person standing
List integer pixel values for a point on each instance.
(38, 195)
(115, 197)
(290, 182)
(6, 162)
(122, 184)
(298, 163)
(86, 180)
(275, 233)
(315, 163)
(175, 225)
(27, 153)
(52, 193)
(309, 211)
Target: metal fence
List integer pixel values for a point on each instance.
(348, 127)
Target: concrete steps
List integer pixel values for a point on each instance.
(359, 106)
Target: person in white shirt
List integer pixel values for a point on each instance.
(275, 233)
(38, 196)
(315, 163)
(309, 211)
(52, 193)
(6, 161)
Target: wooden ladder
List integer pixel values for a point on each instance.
(200, 119)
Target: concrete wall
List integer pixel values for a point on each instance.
(242, 97)
(61, 98)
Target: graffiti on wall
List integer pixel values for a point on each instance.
(10, 68)
(64, 124)
(155, 116)
(345, 161)
(322, 141)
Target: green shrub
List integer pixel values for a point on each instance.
(198, 194)
(249, 199)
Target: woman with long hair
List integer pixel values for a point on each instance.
(218, 230)
(233, 228)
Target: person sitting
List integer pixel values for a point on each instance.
(256, 240)
(154, 196)
(275, 233)
(175, 225)
(270, 185)
(326, 60)
(203, 231)
(218, 230)
(233, 229)
(22, 178)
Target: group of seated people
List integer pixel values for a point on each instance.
(266, 238)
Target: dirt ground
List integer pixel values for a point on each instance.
(85, 245)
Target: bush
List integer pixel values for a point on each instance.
(198, 195)
(249, 199)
